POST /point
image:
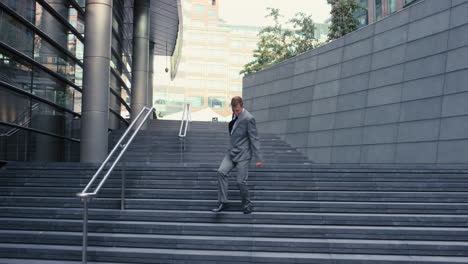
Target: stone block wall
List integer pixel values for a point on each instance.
(393, 92)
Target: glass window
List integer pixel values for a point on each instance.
(196, 101)
(217, 53)
(216, 69)
(235, 87)
(392, 6)
(362, 20)
(116, 45)
(79, 50)
(25, 8)
(15, 107)
(198, 23)
(50, 25)
(21, 75)
(198, 9)
(235, 73)
(198, 37)
(114, 103)
(54, 59)
(126, 80)
(16, 34)
(251, 45)
(195, 83)
(115, 64)
(236, 44)
(175, 99)
(15, 71)
(27, 112)
(217, 102)
(52, 89)
(217, 39)
(194, 67)
(58, 32)
(408, 2)
(211, 13)
(79, 76)
(77, 102)
(116, 24)
(216, 85)
(378, 9)
(48, 118)
(76, 20)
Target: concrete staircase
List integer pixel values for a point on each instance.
(205, 143)
(303, 213)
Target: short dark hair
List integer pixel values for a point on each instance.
(237, 100)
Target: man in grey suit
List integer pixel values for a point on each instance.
(244, 145)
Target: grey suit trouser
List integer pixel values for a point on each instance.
(242, 174)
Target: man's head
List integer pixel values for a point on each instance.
(237, 105)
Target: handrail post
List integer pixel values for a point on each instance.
(186, 119)
(122, 200)
(84, 257)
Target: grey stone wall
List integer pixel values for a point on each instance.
(393, 92)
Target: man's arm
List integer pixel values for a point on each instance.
(254, 142)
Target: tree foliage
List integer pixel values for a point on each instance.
(278, 43)
(342, 18)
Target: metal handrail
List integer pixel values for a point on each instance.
(86, 195)
(186, 119)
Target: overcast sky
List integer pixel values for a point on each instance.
(252, 12)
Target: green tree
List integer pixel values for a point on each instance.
(278, 43)
(303, 36)
(342, 18)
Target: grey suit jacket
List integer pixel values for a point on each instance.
(244, 141)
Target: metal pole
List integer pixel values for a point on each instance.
(85, 230)
(17, 148)
(25, 146)
(122, 202)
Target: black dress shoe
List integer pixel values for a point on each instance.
(221, 207)
(248, 209)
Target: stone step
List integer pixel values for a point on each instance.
(209, 173)
(22, 260)
(322, 231)
(176, 256)
(260, 206)
(240, 243)
(159, 175)
(275, 195)
(256, 183)
(301, 218)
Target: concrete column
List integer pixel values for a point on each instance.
(97, 56)
(151, 75)
(141, 22)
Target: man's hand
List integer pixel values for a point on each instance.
(259, 164)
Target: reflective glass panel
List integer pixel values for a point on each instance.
(15, 71)
(52, 89)
(25, 8)
(15, 34)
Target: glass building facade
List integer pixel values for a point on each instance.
(374, 10)
(41, 77)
